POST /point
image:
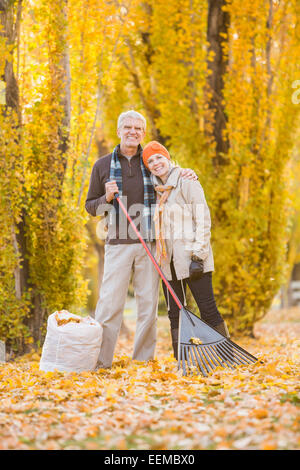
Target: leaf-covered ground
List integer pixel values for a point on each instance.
(151, 406)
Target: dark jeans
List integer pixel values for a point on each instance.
(203, 294)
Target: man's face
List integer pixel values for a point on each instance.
(131, 133)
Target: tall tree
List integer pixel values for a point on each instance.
(251, 205)
(45, 227)
(13, 262)
(50, 157)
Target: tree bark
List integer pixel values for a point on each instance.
(217, 32)
(10, 17)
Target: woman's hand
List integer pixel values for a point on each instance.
(187, 173)
(196, 268)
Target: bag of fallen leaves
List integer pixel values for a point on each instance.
(72, 343)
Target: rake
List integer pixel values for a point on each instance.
(201, 348)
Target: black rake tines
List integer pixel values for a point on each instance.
(204, 359)
(202, 348)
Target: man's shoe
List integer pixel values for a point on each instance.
(99, 365)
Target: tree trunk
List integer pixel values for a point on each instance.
(64, 130)
(10, 17)
(217, 33)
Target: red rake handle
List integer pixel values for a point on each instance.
(177, 301)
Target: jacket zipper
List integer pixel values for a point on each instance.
(130, 173)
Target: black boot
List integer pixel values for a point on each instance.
(222, 328)
(174, 335)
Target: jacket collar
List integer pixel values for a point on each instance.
(138, 152)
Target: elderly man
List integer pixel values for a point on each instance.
(123, 171)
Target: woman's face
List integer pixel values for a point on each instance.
(159, 165)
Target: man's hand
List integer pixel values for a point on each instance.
(111, 188)
(187, 173)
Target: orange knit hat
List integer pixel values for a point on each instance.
(152, 148)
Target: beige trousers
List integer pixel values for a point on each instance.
(120, 261)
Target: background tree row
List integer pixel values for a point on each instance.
(214, 80)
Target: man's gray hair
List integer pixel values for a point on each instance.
(131, 114)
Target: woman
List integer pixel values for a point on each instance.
(182, 230)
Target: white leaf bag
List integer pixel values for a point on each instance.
(73, 346)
